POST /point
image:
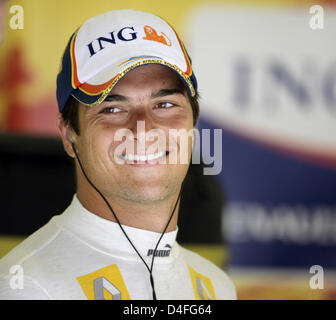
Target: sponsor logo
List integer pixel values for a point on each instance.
(124, 34)
(202, 286)
(104, 284)
(280, 93)
(152, 35)
(160, 253)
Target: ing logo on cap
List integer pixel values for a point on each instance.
(152, 35)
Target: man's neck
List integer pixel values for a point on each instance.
(152, 217)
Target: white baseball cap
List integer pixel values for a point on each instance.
(109, 45)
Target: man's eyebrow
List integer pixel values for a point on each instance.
(167, 92)
(115, 97)
(158, 94)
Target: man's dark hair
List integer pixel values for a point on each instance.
(70, 113)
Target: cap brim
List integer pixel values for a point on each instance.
(93, 94)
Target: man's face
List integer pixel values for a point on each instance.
(148, 98)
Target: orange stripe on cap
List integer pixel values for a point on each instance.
(189, 70)
(93, 90)
(74, 79)
(89, 89)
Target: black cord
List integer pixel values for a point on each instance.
(150, 269)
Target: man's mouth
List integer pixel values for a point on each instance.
(135, 158)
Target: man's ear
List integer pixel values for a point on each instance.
(67, 135)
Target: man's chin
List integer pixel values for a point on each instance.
(149, 193)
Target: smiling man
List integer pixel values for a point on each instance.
(125, 85)
(150, 97)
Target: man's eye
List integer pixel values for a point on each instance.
(111, 110)
(165, 105)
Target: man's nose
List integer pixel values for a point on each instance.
(141, 124)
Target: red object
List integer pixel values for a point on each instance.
(33, 117)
